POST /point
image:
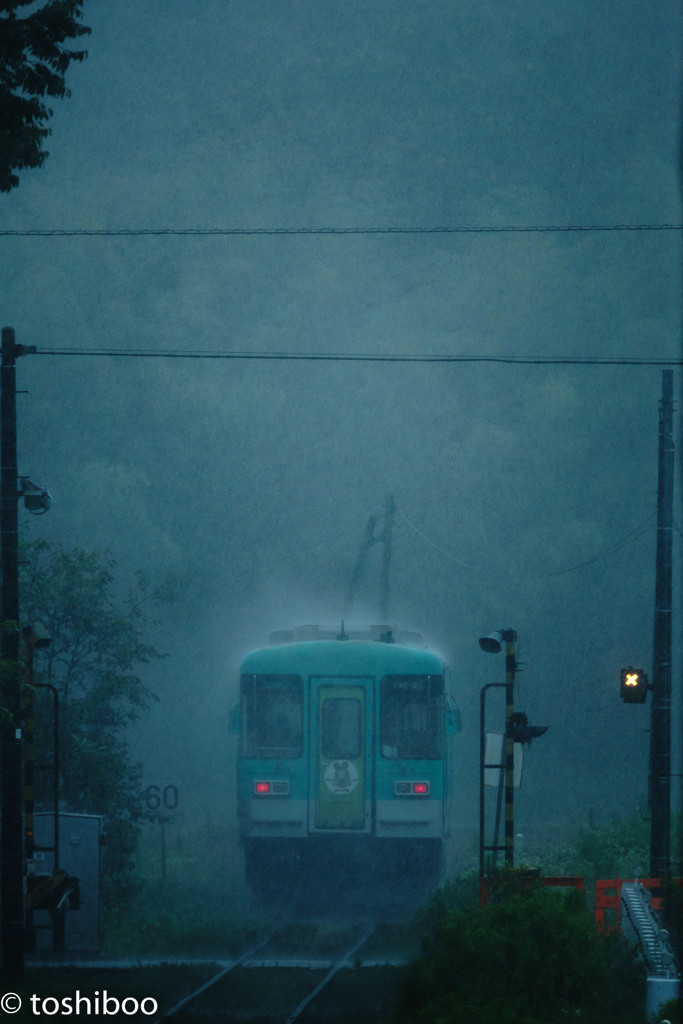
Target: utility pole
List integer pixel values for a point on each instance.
(12, 844)
(11, 784)
(359, 567)
(387, 538)
(660, 732)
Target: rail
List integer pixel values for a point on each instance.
(244, 961)
(642, 929)
(330, 974)
(212, 981)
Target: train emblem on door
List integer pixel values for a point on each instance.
(341, 777)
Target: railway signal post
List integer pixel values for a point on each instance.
(517, 731)
(493, 644)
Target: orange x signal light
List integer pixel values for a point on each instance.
(633, 686)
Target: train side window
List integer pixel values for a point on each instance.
(272, 716)
(411, 717)
(341, 728)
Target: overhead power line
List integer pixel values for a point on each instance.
(363, 357)
(632, 535)
(457, 229)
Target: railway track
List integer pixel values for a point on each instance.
(211, 982)
(194, 1000)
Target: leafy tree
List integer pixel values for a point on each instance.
(33, 63)
(12, 682)
(616, 848)
(97, 647)
(532, 957)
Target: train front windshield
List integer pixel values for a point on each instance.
(272, 716)
(342, 723)
(411, 717)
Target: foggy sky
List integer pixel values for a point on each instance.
(257, 477)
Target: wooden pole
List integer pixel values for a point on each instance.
(660, 734)
(12, 843)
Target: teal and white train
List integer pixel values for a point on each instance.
(343, 768)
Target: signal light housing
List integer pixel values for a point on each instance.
(411, 788)
(271, 787)
(633, 685)
(521, 731)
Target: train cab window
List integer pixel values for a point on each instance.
(341, 728)
(411, 717)
(272, 716)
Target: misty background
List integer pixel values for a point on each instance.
(525, 494)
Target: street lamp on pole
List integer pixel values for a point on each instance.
(493, 644)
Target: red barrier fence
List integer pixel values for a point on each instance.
(526, 879)
(607, 893)
(608, 899)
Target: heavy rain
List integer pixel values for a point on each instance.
(291, 265)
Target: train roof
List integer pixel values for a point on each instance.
(330, 657)
(378, 631)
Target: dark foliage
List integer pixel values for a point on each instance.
(532, 957)
(672, 914)
(93, 660)
(33, 64)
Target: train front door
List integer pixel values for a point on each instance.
(339, 741)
